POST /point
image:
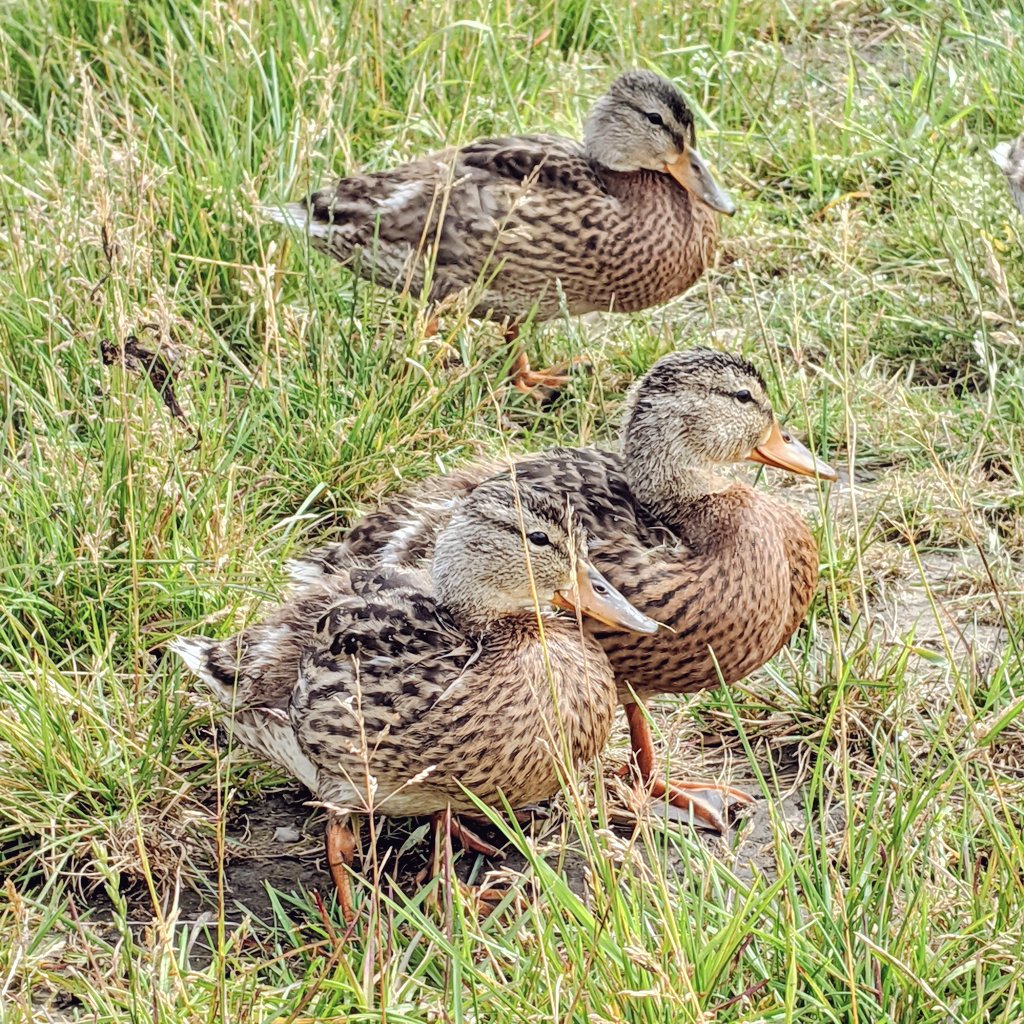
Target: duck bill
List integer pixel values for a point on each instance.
(693, 174)
(785, 452)
(593, 595)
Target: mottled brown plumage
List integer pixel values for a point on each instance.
(428, 686)
(730, 569)
(623, 222)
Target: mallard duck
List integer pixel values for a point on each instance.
(729, 569)
(522, 223)
(1009, 157)
(467, 680)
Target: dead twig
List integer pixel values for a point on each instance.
(152, 364)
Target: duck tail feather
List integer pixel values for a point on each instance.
(199, 655)
(194, 651)
(291, 215)
(1000, 154)
(305, 570)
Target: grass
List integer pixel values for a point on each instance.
(873, 272)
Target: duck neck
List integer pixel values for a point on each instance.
(666, 494)
(645, 187)
(500, 628)
(477, 609)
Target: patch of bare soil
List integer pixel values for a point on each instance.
(950, 609)
(276, 843)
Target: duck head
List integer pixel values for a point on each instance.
(695, 411)
(643, 123)
(510, 551)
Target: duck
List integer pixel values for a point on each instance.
(385, 690)
(531, 224)
(727, 569)
(1009, 158)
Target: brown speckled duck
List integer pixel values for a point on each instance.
(473, 680)
(622, 222)
(730, 569)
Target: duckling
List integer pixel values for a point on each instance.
(388, 692)
(730, 570)
(524, 223)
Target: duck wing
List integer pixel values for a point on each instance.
(464, 204)
(378, 664)
(370, 638)
(257, 667)
(402, 532)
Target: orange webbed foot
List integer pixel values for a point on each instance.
(696, 798)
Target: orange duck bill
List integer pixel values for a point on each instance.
(692, 173)
(785, 452)
(593, 595)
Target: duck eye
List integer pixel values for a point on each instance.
(743, 396)
(655, 119)
(538, 539)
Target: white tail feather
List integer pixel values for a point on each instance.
(268, 731)
(193, 651)
(1001, 155)
(297, 217)
(291, 215)
(302, 572)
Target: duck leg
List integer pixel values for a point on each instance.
(527, 380)
(341, 851)
(467, 838)
(684, 795)
(445, 826)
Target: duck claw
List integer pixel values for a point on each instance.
(704, 803)
(529, 380)
(707, 803)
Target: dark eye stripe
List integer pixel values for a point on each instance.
(731, 394)
(754, 401)
(679, 138)
(516, 530)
